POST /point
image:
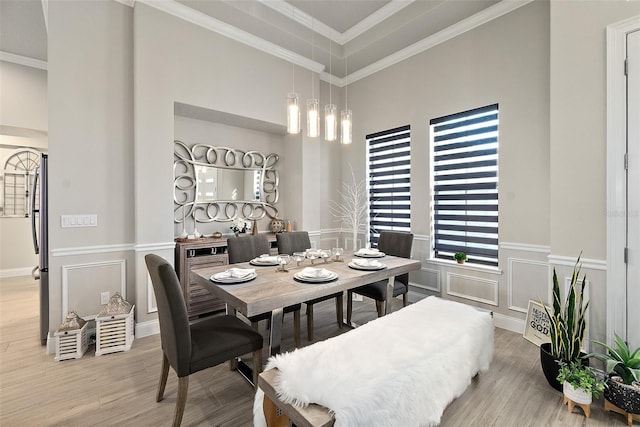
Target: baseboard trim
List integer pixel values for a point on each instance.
(15, 272)
(145, 329)
(509, 323)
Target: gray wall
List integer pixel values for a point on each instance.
(545, 65)
(111, 139)
(178, 62)
(91, 152)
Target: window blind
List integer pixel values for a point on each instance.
(389, 185)
(465, 185)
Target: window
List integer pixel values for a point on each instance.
(464, 151)
(389, 171)
(17, 179)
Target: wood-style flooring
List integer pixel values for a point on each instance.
(119, 389)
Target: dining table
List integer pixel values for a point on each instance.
(272, 289)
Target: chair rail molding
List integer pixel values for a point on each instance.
(150, 247)
(87, 250)
(525, 247)
(591, 264)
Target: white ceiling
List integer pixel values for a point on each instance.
(359, 33)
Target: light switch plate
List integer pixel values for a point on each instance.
(90, 220)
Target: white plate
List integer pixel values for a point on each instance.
(364, 255)
(367, 268)
(256, 261)
(302, 278)
(229, 280)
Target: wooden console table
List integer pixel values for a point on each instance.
(209, 252)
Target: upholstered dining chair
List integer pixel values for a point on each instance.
(299, 241)
(189, 348)
(246, 248)
(391, 243)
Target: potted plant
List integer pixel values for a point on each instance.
(567, 324)
(623, 382)
(460, 256)
(579, 382)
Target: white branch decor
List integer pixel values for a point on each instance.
(352, 212)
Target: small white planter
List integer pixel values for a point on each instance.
(577, 395)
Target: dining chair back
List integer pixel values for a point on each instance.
(189, 348)
(246, 248)
(391, 243)
(293, 241)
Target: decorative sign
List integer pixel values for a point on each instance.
(536, 328)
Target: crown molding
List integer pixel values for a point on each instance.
(205, 21)
(23, 60)
(389, 9)
(303, 18)
(448, 33)
(333, 80)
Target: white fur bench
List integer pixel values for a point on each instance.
(401, 369)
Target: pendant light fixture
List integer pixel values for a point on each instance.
(313, 113)
(345, 115)
(293, 108)
(330, 111)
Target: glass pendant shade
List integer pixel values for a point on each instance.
(293, 113)
(313, 118)
(330, 122)
(345, 121)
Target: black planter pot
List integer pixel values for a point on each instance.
(550, 366)
(624, 396)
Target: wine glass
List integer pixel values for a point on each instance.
(337, 253)
(312, 254)
(283, 261)
(325, 255)
(299, 257)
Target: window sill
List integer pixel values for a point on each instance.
(465, 266)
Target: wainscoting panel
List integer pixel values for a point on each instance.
(527, 281)
(428, 278)
(472, 288)
(82, 285)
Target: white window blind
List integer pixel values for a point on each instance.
(389, 171)
(465, 185)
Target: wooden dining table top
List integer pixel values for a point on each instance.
(273, 289)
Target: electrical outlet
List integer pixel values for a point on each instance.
(104, 298)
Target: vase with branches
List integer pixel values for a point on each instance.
(352, 211)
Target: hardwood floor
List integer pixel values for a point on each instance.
(119, 389)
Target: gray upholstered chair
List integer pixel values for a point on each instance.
(391, 243)
(189, 348)
(298, 241)
(245, 248)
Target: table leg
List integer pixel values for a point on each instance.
(390, 283)
(275, 336)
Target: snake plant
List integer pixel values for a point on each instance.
(568, 320)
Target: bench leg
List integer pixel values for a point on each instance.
(273, 416)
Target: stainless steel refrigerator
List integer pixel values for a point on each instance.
(40, 232)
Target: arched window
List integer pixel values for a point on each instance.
(18, 173)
